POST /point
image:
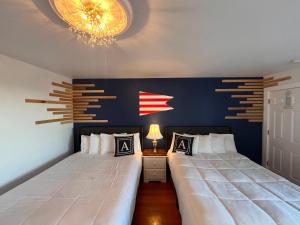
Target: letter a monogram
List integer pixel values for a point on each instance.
(182, 145)
(124, 147)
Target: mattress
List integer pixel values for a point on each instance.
(228, 188)
(80, 190)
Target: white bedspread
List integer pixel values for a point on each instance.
(221, 189)
(80, 190)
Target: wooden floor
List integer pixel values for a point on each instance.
(156, 205)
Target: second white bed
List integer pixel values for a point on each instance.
(228, 188)
(80, 190)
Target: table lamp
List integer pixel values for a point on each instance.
(154, 134)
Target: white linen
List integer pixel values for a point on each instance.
(85, 144)
(80, 190)
(230, 189)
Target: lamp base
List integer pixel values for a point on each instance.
(154, 142)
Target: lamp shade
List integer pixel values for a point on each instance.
(154, 132)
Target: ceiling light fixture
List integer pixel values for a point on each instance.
(95, 22)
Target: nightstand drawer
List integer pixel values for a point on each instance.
(154, 163)
(154, 174)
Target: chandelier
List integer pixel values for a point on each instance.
(95, 22)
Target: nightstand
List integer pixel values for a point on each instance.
(155, 165)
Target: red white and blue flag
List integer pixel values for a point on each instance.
(153, 103)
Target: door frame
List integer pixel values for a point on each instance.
(266, 121)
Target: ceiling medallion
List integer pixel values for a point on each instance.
(95, 22)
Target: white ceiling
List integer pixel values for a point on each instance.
(168, 38)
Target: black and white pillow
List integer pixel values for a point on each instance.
(183, 144)
(124, 145)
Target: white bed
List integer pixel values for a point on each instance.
(228, 188)
(80, 190)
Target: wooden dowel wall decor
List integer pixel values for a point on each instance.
(84, 115)
(250, 102)
(67, 87)
(253, 111)
(67, 121)
(245, 96)
(83, 103)
(59, 109)
(88, 107)
(85, 100)
(68, 84)
(76, 100)
(252, 97)
(268, 79)
(247, 87)
(45, 101)
(241, 81)
(258, 93)
(254, 84)
(243, 108)
(237, 90)
(66, 99)
(255, 121)
(83, 85)
(63, 113)
(50, 121)
(88, 91)
(91, 121)
(61, 95)
(255, 99)
(94, 97)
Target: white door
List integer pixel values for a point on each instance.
(284, 133)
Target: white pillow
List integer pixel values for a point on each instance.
(229, 143)
(137, 142)
(107, 142)
(204, 145)
(195, 143)
(85, 144)
(221, 143)
(217, 143)
(94, 144)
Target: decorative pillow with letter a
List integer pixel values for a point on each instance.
(183, 144)
(124, 145)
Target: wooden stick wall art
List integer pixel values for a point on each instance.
(75, 99)
(251, 95)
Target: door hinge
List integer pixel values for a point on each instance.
(269, 101)
(267, 163)
(268, 132)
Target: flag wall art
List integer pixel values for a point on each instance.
(153, 103)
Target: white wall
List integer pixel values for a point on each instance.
(26, 148)
(294, 73)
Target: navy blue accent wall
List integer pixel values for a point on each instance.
(195, 103)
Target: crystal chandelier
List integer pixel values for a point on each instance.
(95, 22)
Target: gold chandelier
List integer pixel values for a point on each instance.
(95, 22)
